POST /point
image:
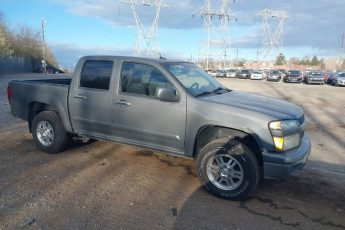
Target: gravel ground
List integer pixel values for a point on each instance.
(103, 185)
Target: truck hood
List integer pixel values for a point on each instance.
(276, 108)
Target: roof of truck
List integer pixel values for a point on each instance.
(131, 58)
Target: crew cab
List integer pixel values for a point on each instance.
(170, 106)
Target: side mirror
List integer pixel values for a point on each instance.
(167, 94)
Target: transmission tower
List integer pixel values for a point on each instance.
(273, 31)
(217, 32)
(146, 41)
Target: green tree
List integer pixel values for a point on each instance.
(305, 61)
(240, 63)
(280, 60)
(315, 61)
(5, 47)
(322, 64)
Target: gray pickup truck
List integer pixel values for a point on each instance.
(174, 107)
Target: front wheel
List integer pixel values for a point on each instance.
(228, 169)
(48, 132)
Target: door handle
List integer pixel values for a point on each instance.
(79, 96)
(123, 102)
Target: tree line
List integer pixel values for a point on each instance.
(23, 41)
(314, 61)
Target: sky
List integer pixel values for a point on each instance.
(90, 27)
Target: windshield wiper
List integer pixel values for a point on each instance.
(218, 89)
(212, 92)
(203, 93)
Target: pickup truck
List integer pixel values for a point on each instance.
(173, 107)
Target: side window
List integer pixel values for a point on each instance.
(96, 74)
(141, 79)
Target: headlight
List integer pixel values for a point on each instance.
(284, 125)
(285, 134)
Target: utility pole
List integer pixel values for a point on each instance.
(44, 63)
(146, 42)
(341, 50)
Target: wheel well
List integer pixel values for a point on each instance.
(35, 108)
(208, 133)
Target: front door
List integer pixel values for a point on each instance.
(141, 118)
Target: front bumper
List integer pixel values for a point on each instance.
(256, 77)
(273, 78)
(293, 80)
(315, 81)
(341, 83)
(286, 163)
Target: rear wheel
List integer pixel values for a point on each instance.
(49, 133)
(228, 169)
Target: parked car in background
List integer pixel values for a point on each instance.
(244, 74)
(264, 73)
(274, 75)
(231, 72)
(256, 75)
(293, 76)
(283, 72)
(220, 73)
(314, 78)
(326, 76)
(212, 73)
(338, 79)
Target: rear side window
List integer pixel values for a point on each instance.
(96, 74)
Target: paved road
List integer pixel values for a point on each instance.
(102, 185)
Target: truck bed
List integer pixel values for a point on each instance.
(52, 92)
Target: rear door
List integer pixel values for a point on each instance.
(142, 119)
(90, 99)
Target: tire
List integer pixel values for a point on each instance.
(238, 160)
(49, 133)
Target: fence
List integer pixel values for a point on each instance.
(13, 65)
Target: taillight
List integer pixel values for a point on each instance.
(9, 93)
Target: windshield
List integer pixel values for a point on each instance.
(274, 72)
(194, 79)
(316, 75)
(245, 71)
(294, 72)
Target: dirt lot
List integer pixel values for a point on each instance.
(103, 185)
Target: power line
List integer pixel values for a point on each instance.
(146, 41)
(217, 33)
(272, 40)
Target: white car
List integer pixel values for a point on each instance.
(231, 73)
(256, 76)
(212, 73)
(339, 79)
